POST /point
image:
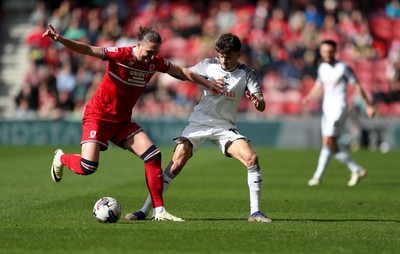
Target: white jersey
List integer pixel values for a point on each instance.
(221, 109)
(335, 79)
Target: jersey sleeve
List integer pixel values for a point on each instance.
(162, 64)
(113, 53)
(318, 79)
(201, 67)
(253, 85)
(351, 77)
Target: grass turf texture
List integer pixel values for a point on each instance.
(40, 216)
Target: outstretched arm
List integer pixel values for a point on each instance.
(186, 74)
(79, 47)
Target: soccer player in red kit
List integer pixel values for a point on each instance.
(107, 116)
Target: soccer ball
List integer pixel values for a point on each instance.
(107, 209)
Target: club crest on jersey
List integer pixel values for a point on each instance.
(92, 134)
(112, 49)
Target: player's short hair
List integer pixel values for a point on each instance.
(330, 43)
(147, 34)
(227, 43)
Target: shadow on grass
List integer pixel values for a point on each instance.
(339, 220)
(280, 220)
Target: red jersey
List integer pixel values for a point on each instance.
(122, 84)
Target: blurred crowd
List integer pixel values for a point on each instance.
(280, 41)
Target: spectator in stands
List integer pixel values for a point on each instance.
(313, 15)
(27, 102)
(392, 9)
(66, 80)
(39, 13)
(226, 17)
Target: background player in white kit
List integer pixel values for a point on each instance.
(214, 119)
(333, 79)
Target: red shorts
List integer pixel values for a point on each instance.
(102, 132)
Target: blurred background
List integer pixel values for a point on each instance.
(44, 87)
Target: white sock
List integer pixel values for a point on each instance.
(254, 180)
(159, 210)
(344, 157)
(167, 179)
(322, 162)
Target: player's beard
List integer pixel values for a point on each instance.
(145, 61)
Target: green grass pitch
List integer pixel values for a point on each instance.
(40, 216)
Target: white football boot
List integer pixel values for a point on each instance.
(314, 182)
(357, 177)
(56, 166)
(166, 216)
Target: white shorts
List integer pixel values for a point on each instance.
(197, 134)
(332, 123)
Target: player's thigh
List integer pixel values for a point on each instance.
(196, 134)
(138, 143)
(95, 132)
(241, 150)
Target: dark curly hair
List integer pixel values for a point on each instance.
(228, 43)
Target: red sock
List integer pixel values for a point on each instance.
(154, 180)
(73, 162)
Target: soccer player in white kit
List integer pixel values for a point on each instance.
(214, 119)
(333, 79)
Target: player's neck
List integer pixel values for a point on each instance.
(332, 62)
(232, 68)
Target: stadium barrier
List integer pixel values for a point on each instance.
(280, 133)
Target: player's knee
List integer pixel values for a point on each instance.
(182, 153)
(183, 145)
(88, 167)
(251, 159)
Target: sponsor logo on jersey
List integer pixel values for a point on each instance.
(226, 93)
(138, 74)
